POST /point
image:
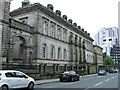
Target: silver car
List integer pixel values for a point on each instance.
(11, 79)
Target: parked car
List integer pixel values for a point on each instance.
(102, 72)
(69, 76)
(116, 70)
(11, 79)
(111, 71)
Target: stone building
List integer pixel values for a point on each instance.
(98, 56)
(4, 25)
(39, 36)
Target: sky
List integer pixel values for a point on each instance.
(92, 15)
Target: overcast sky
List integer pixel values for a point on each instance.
(92, 15)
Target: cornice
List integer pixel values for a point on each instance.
(38, 7)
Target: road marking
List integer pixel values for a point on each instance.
(112, 77)
(98, 83)
(70, 83)
(107, 80)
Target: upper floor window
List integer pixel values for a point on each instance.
(59, 53)
(110, 39)
(52, 52)
(65, 36)
(45, 28)
(59, 34)
(104, 40)
(44, 51)
(52, 31)
(65, 54)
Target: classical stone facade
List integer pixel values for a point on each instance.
(4, 26)
(98, 55)
(1, 17)
(37, 35)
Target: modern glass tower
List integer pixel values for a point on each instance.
(106, 38)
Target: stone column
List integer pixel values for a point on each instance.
(0, 43)
(72, 67)
(86, 68)
(55, 69)
(58, 68)
(77, 68)
(49, 28)
(66, 67)
(45, 65)
(41, 69)
(1, 17)
(11, 53)
(26, 55)
(56, 31)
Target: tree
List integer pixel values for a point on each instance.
(108, 61)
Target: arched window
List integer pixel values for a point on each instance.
(45, 28)
(59, 53)
(52, 31)
(21, 51)
(44, 51)
(52, 52)
(21, 48)
(65, 54)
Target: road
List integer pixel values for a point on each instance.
(107, 81)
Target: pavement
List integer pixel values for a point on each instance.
(39, 82)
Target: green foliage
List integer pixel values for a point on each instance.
(108, 61)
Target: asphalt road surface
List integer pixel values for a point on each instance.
(109, 81)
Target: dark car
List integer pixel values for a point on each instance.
(111, 71)
(102, 72)
(116, 70)
(69, 76)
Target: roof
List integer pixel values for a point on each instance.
(39, 7)
(97, 46)
(26, 1)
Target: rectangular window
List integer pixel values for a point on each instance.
(44, 51)
(65, 36)
(52, 52)
(104, 40)
(59, 34)
(110, 39)
(45, 28)
(59, 53)
(65, 54)
(53, 31)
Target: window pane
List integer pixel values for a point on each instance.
(52, 52)
(59, 34)
(64, 54)
(44, 51)
(52, 31)
(45, 28)
(9, 74)
(59, 53)
(19, 74)
(65, 36)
